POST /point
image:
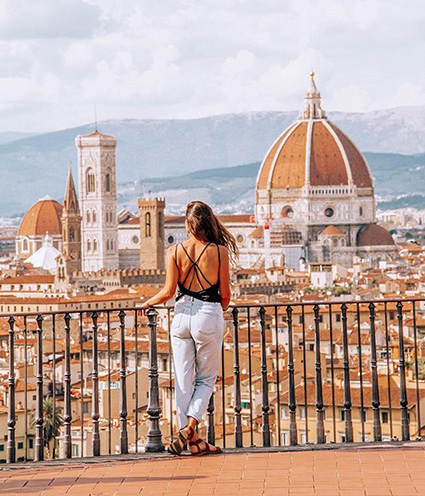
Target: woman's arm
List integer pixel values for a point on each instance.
(224, 277)
(171, 278)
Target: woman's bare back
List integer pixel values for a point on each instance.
(208, 264)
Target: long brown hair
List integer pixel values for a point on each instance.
(206, 227)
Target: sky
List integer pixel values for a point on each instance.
(161, 59)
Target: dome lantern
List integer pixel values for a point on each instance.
(313, 102)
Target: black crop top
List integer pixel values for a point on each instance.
(211, 293)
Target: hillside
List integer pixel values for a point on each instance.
(36, 165)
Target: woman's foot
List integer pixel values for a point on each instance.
(180, 443)
(197, 446)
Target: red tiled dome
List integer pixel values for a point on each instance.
(314, 152)
(43, 217)
(374, 235)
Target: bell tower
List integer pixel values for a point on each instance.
(71, 227)
(152, 233)
(98, 200)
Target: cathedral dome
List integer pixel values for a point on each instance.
(313, 152)
(374, 235)
(43, 217)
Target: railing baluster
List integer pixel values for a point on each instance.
(39, 435)
(95, 394)
(362, 419)
(248, 316)
(81, 385)
(123, 388)
(402, 371)
(237, 380)
(154, 435)
(26, 387)
(293, 436)
(418, 402)
(211, 427)
(108, 323)
(11, 416)
(264, 382)
(304, 376)
(170, 375)
(136, 368)
(223, 394)
(332, 372)
(377, 433)
(347, 390)
(320, 413)
(277, 409)
(67, 412)
(54, 381)
(390, 410)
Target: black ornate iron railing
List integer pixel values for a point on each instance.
(99, 383)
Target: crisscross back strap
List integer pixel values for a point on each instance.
(196, 269)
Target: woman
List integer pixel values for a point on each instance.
(199, 267)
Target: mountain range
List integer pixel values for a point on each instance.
(159, 155)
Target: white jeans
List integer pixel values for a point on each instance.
(196, 338)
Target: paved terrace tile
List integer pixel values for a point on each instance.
(378, 471)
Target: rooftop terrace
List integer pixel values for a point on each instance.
(379, 470)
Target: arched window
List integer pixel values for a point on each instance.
(88, 216)
(94, 216)
(95, 246)
(88, 246)
(112, 245)
(90, 181)
(107, 245)
(148, 230)
(71, 235)
(108, 183)
(25, 245)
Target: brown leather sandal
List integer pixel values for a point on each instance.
(204, 451)
(179, 444)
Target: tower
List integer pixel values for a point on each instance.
(98, 200)
(152, 233)
(71, 227)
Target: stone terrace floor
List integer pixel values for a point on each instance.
(371, 471)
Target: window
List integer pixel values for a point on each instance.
(287, 212)
(384, 416)
(171, 239)
(160, 224)
(20, 445)
(302, 412)
(90, 181)
(361, 211)
(108, 182)
(88, 216)
(148, 231)
(71, 234)
(329, 212)
(135, 240)
(31, 443)
(86, 407)
(240, 238)
(342, 415)
(338, 317)
(284, 412)
(94, 216)
(95, 246)
(88, 246)
(25, 245)
(1, 447)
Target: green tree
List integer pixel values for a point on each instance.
(52, 422)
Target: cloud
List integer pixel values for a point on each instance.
(187, 58)
(29, 19)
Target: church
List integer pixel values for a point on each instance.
(314, 203)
